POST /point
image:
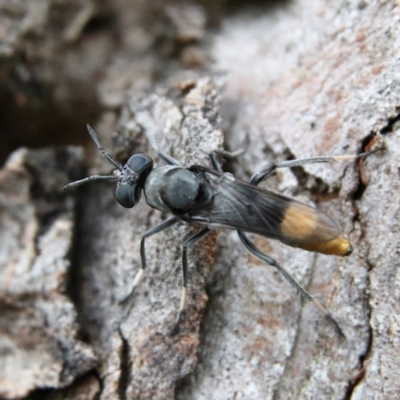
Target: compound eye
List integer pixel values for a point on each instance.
(125, 195)
(140, 162)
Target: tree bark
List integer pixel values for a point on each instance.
(300, 79)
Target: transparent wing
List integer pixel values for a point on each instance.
(238, 205)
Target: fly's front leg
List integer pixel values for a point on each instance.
(185, 247)
(165, 225)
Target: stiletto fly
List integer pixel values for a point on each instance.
(214, 199)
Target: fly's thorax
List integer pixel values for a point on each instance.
(171, 188)
(155, 183)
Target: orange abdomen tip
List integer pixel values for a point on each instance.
(338, 247)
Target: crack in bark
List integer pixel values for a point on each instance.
(96, 374)
(353, 382)
(366, 143)
(74, 276)
(125, 368)
(321, 188)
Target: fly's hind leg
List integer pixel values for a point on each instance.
(304, 295)
(165, 225)
(268, 169)
(186, 245)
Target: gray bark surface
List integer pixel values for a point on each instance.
(38, 334)
(329, 84)
(301, 79)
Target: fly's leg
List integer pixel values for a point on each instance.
(168, 159)
(165, 225)
(185, 246)
(304, 295)
(268, 169)
(227, 154)
(236, 153)
(214, 162)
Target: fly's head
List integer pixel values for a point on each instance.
(131, 179)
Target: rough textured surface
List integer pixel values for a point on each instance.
(38, 331)
(383, 295)
(301, 78)
(48, 71)
(323, 85)
(85, 388)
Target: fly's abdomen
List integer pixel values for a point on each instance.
(307, 228)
